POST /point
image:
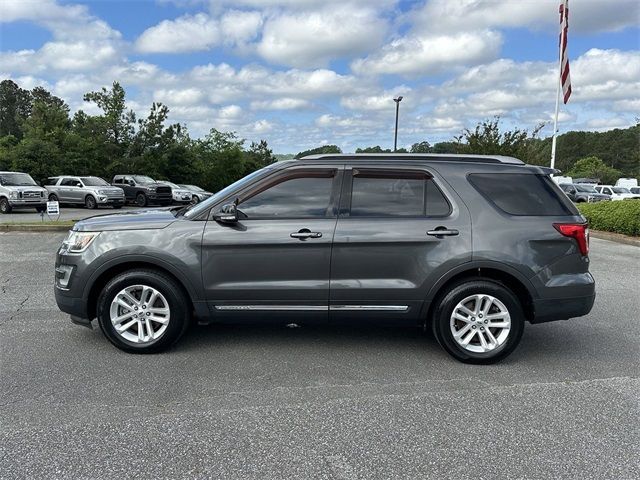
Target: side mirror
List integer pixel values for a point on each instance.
(78, 184)
(227, 214)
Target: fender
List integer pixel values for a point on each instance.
(474, 265)
(193, 291)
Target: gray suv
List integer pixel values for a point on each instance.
(91, 192)
(19, 190)
(471, 247)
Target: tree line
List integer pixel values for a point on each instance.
(39, 136)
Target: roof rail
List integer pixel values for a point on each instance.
(437, 157)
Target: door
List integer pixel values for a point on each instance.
(67, 189)
(273, 264)
(399, 230)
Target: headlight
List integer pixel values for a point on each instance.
(13, 194)
(103, 192)
(78, 242)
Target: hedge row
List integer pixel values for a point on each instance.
(619, 216)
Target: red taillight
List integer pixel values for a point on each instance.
(579, 231)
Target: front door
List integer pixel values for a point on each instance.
(273, 264)
(399, 230)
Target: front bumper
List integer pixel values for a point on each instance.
(74, 306)
(106, 200)
(28, 202)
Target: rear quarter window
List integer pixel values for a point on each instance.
(522, 194)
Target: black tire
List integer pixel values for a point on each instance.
(90, 202)
(141, 200)
(53, 197)
(195, 199)
(444, 309)
(179, 305)
(5, 206)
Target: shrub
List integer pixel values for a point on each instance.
(621, 216)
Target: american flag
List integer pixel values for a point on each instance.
(565, 77)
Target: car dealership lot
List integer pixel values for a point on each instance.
(276, 402)
(23, 215)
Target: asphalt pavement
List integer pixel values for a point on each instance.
(335, 403)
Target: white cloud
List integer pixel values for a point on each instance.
(239, 26)
(424, 54)
(584, 16)
(285, 103)
(312, 39)
(186, 96)
(185, 34)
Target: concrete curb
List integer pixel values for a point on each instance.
(615, 237)
(16, 227)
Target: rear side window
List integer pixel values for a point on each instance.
(522, 194)
(69, 182)
(396, 194)
(50, 181)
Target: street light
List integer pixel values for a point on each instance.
(395, 137)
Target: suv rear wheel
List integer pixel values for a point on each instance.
(143, 311)
(479, 321)
(53, 197)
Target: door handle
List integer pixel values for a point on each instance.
(305, 233)
(440, 232)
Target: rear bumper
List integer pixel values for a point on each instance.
(549, 310)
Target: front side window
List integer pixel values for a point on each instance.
(301, 196)
(401, 194)
(94, 182)
(142, 179)
(69, 182)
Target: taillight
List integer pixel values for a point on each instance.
(579, 231)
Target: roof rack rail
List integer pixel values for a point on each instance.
(438, 157)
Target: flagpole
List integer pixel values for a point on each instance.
(559, 83)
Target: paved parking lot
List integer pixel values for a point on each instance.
(66, 213)
(249, 402)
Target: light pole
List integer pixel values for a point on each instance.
(395, 137)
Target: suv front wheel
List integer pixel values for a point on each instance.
(143, 311)
(141, 200)
(479, 321)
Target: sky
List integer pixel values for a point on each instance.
(303, 73)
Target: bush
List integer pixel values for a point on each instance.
(621, 216)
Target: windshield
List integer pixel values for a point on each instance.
(586, 188)
(143, 179)
(192, 187)
(620, 190)
(16, 180)
(94, 182)
(171, 184)
(198, 208)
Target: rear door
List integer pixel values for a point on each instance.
(273, 264)
(67, 185)
(399, 230)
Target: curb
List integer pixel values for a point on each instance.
(615, 237)
(34, 228)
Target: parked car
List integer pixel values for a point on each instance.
(181, 196)
(627, 182)
(335, 238)
(143, 190)
(583, 193)
(616, 193)
(19, 190)
(197, 194)
(92, 192)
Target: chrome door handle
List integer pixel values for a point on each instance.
(443, 232)
(305, 233)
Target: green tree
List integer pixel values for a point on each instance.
(15, 107)
(594, 167)
(488, 139)
(376, 149)
(320, 150)
(258, 156)
(421, 147)
(117, 121)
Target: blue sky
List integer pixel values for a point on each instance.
(300, 73)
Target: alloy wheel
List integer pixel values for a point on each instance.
(480, 323)
(140, 314)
